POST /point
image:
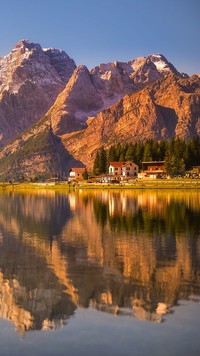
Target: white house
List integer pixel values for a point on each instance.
(124, 169)
(76, 173)
(129, 169)
(115, 168)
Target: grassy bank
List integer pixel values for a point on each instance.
(138, 184)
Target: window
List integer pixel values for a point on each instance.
(130, 164)
(134, 168)
(128, 168)
(116, 169)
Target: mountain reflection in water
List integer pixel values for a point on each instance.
(125, 253)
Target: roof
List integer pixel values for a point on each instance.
(78, 169)
(128, 162)
(116, 164)
(155, 171)
(153, 162)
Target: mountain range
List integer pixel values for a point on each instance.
(54, 115)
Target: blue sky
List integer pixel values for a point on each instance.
(100, 31)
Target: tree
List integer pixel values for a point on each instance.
(96, 164)
(102, 161)
(118, 151)
(85, 174)
(168, 161)
(147, 155)
(112, 157)
(130, 153)
(173, 163)
(139, 153)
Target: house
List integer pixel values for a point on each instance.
(115, 168)
(129, 169)
(76, 173)
(152, 169)
(124, 169)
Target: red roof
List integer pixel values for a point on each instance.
(128, 163)
(116, 164)
(78, 170)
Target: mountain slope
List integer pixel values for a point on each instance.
(30, 80)
(36, 153)
(168, 108)
(115, 102)
(88, 93)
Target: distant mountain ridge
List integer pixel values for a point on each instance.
(82, 110)
(89, 92)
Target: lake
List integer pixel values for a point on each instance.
(99, 272)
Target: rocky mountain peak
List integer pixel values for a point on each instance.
(76, 102)
(27, 44)
(162, 64)
(63, 64)
(30, 80)
(89, 92)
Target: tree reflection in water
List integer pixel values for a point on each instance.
(126, 253)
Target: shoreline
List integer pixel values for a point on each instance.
(158, 184)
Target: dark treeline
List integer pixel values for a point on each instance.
(178, 155)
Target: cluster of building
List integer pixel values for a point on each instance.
(119, 171)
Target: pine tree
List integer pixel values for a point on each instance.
(168, 161)
(147, 155)
(102, 161)
(130, 153)
(112, 157)
(118, 151)
(139, 153)
(96, 164)
(85, 174)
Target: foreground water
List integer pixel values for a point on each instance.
(113, 273)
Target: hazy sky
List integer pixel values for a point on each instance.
(100, 31)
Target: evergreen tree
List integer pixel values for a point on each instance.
(147, 155)
(168, 161)
(102, 161)
(162, 150)
(96, 164)
(122, 154)
(139, 153)
(112, 157)
(130, 153)
(85, 174)
(176, 153)
(173, 162)
(118, 151)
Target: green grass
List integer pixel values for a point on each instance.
(34, 145)
(140, 184)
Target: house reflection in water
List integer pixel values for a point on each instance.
(126, 253)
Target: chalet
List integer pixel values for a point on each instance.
(124, 169)
(76, 173)
(129, 169)
(152, 169)
(115, 168)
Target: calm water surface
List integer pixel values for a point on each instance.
(94, 273)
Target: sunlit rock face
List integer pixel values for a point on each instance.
(145, 98)
(168, 108)
(31, 77)
(30, 80)
(89, 92)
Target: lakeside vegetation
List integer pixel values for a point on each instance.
(178, 155)
(175, 183)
